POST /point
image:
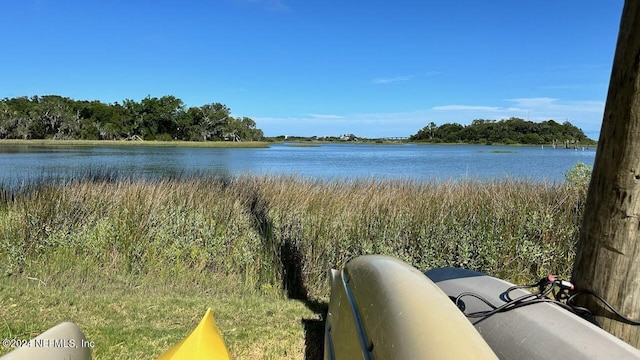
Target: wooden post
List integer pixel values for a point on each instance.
(608, 253)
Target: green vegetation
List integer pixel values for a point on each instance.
(130, 317)
(163, 119)
(116, 143)
(510, 131)
(136, 263)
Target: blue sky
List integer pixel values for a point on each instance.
(372, 68)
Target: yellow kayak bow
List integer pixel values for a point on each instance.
(204, 342)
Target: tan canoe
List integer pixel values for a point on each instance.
(382, 308)
(64, 341)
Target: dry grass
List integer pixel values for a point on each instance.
(263, 227)
(512, 229)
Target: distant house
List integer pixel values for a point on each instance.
(349, 137)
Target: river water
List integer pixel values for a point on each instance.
(327, 161)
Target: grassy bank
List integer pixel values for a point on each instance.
(156, 253)
(128, 318)
(207, 144)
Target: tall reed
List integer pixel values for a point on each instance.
(163, 228)
(512, 229)
(285, 231)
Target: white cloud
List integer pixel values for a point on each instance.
(399, 78)
(573, 86)
(367, 125)
(542, 108)
(587, 115)
(474, 108)
(388, 80)
(325, 116)
(533, 102)
(551, 105)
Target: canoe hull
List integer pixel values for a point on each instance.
(64, 341)
(383, 308)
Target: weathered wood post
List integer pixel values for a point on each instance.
(608, 253)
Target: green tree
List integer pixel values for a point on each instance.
(421, 135)
(214, 118)
(572, 133)
(531, 138)
(449, 132)
(101, 121)
(164, 118)
(512, 130)
(8, 122)
(133, 119)
(19, 109)
(251, 133)
(159, 115)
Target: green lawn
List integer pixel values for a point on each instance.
(129, 320)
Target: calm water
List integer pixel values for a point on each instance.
(330, 161)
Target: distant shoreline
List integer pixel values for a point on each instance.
(203, 144)
(302, 142)
(249, 144)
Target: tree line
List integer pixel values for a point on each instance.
(165, 118)
(508, 131)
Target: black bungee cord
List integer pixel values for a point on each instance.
(563, 294)
(571, 302)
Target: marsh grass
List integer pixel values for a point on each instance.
(516, 230)
(165, 249)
